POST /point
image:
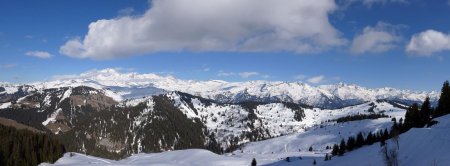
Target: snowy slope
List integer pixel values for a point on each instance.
(317, 137)
(286, 146)
(191, 157)
(272, 151)
(418, 147)
(276, 119)
(131, 85)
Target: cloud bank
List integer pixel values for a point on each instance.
(39, 54)
(380, 38)
(316, 79)
(299, 26)
(428, 42)
(248, 74)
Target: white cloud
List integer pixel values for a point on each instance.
(248, 74)
(300, 77)
(39, 54)
(316, 79)
(222, 73)
(380, 38)
(428, 42)
(336, 78)
(65, 77)
(203, 25)
(126, 11)
(265, 76)
(370, 3)
(108, 73)
(7, 66)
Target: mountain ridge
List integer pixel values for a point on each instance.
(126, 85)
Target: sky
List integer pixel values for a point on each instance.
(373, 43)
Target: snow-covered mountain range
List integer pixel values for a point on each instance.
(126, 85)
(113, 114)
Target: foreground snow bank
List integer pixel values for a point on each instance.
(418, 147)
(191, 157)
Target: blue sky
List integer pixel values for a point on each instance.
(372, 44)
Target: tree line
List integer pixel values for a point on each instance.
(360, 117)
(353, 142)
(416, 117)
(23, 147)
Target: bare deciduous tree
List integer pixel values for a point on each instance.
(390, 155)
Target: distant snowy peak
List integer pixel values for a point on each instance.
(351, 91)
(132, 85)
(113, 77)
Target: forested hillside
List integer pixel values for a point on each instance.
(23, 147)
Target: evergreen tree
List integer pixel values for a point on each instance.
(369, 139)
(382, 142)
(254, 162)
(425, 112)
(416, 115)
(401, 126)
(385, 134)
(380, 135)
(335, 150)
(443, 107)
(23, 147)
(395, 130)
(359, 140)
(310, 149)
(350, 143)
(412, 116)
(342, 147)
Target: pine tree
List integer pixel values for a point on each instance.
(382, 142)
(254, 162)
(335, 150)
(412, 117)
(350, 143)
(425, 112)
(385, 134)
(23, 147)
(342, 148)
(401, 126)
(359, 140)
(416, 115)
(369, 139)
(310, 149)
(443, 107)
